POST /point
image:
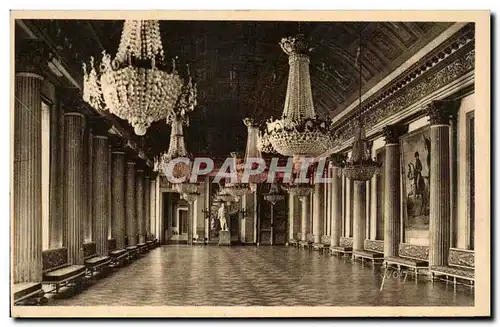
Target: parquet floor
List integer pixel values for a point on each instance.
(259, 276)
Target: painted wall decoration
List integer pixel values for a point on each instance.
(415, 162)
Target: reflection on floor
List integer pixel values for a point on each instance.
(259, 276)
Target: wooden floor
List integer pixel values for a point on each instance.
(258, 276)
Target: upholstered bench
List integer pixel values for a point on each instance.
(149, 244)
(118, 257)
(374, 257)
(344, 247)
(292, 242)
(132, 252)
(460, 266)
(307, 244)
(93, 262)
(373, 250)
(323, 245)
(57, 272)
(142, 248)
(414, 257)
(28, 293)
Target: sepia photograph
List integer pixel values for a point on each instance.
(250, 164)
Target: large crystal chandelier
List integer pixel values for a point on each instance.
(298, 132)
(136, 85)
(360, 166)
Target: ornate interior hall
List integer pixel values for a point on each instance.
(378, 117)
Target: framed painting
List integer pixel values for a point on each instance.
(415, 168)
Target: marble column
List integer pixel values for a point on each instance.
(439, 112)
(392, 194)
(88, 187)
(305, 217)
(453, 178)
(373, 207)
(152, 206)
(139, 201)
(359, 215)
(291, 216)
(147, 218)
(74, 126)
(318, 212)
(27, 177)
(118, 231)
(336, 199)
(130, 204)
(100, 193)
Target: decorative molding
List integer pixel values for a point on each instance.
(392, 133)
(445, 66)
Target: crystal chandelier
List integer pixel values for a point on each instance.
(274, 195)
(252, 153)
(176, 149)
(360, 166)
(136, 85)
(237, 189)
(190, 197)
(298, 132)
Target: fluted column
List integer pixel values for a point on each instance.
(359, 215)
(100, 193)
(130, 205)
(118, 231)
(439, 112)
(88, 187)
(336, 198)
(139, 198)
(392, 194)
(318, 212)
(152, 203)
(291, 216)
(304, 223)
(74, 125)
(27, 178)
(147, 218)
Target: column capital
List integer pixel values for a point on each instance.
(338, 159)
(440, 112)
(392, 133)
(31, 56)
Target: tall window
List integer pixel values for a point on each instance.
(470, 178)
(45, 121)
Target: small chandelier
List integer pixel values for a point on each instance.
(298, 132)
(252, 152)
(223, 196)
(176, 149)
(185, 188)
(190, 197)
(360, 166)
(237, 189)
(274, 195)
(136, 85)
